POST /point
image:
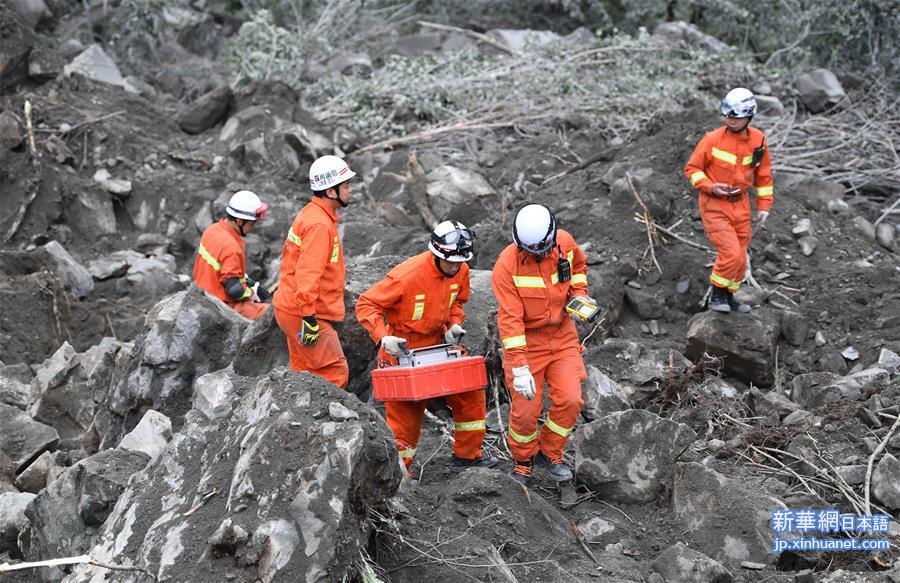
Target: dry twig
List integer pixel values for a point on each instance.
(23, 210)
(872, 457)
(472, 34)
(29, 127)
(651, 233)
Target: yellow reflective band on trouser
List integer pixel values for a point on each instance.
(579, 278)
(209, 258)
(293, 238)
(697, 177)
(522, 438)
(725, 282)
(514, 342)
(558, 429)
(724, 156)
(407, 453)
(469, 425)
(528, 281)
(764, 191)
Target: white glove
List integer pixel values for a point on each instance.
(761, 217)
(454, 334)
(255, 297)
(394, 345)
(523, 381)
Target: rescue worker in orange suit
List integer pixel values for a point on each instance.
(420, 303)
(724, 166)
(310, 295)
(534, 278)
(221, 265)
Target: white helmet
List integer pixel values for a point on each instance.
(452, 241)
(534, 229)
(739, 103)
(327, 172)
(246, 205)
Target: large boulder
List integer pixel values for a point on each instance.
(745, 342)
(64, 517)
(72, 274)
(460, 192)
(151, 435)
(276, 491)
(16, 43)
(204, 112)
(886, 482)
(819, 90)
(71, 388)
(23, 439)
(188, 335)
(263, 347)
(15, 385)
(12, 519)
(817, 389)
(501, 520)
(683, 32)
(728, 518)
(602, 395)
(680, 564)
(629, 455)
(96, 65)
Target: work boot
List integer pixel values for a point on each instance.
(557, 469)
(458, 465)
(718, 301)
(736, 306)
(521, 473)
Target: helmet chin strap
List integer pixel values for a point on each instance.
(338, 198)
(437, 263)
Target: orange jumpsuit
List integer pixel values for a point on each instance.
(312, 284)
(535, 330)
(417, 302)
(219, 258)
(725, 156)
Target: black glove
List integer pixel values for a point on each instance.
(264, 294)
(309, 331)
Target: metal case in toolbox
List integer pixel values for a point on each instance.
(433, 371)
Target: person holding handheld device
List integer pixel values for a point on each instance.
(724, 167)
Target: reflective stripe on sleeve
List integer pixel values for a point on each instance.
(765, 190)
(209, 258)
(579, 278)
(514, 342)
(697, 176)
(293, 238)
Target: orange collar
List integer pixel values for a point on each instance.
(231, 229)
(322, 204)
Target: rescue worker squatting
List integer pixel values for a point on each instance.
(723, 167)
(311, 290)
(533, 279)
(220, 267)
(420, 303)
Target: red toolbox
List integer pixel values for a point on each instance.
(433, 371)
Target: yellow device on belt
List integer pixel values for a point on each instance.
(582, 309)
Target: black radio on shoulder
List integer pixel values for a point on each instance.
(563, 268)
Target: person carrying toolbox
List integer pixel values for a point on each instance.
(539, 279)
(420, 303)
(724, 166)
(220, 268)
(311, 289)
